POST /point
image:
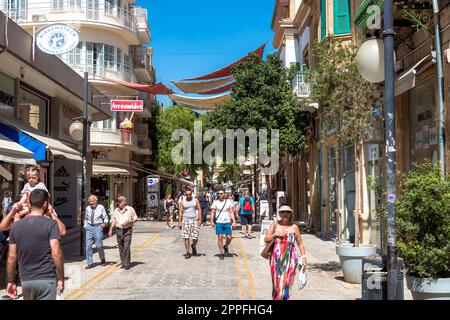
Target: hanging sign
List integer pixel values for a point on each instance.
(57, 39)
(127, 105)
(152, 184)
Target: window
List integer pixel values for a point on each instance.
(341, 16)
(110, 59)
(323, 19)
(111, 6)
(58, 4)
(75, 4)
(74, 56)
(33, 109)
(16, 9)
(119, 59)
(6, 95)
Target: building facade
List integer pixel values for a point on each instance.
(114, 35)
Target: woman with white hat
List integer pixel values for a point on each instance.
(285, 258)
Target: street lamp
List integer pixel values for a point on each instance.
(78, 130)
(364, 64)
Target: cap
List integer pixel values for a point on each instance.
(285, 208)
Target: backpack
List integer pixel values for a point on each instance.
(247, 204)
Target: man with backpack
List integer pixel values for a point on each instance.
(247, 210)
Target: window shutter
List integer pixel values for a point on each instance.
(341, 16)
(323, 19)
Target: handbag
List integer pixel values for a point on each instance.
(267, 251)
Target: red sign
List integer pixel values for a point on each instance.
(127, 105)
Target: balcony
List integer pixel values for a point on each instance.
(301, 90)
(143, 29)
(44, 12)
(107, 69)
(138, 143)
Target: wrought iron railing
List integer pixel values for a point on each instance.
(300, 87)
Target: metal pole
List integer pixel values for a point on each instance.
(437, 44)
(390, 147)
(84, 158)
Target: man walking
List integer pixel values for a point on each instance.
(34, 243)
(247, 210)
(189, 219)
(95, 221)
(123, 218)
(204, 204)
(222, 218)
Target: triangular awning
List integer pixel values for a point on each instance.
(157, 88)
(204, 85)
(227, 71)
(205, 103)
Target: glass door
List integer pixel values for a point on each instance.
(349, 193)
(332, 191)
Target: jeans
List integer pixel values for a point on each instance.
(124, 242)
(39, 289)
(205, 211)
(94, 234)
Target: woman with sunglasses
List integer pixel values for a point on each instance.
(285, 258)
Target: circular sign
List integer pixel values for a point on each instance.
(57, 39)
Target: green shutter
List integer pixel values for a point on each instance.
(323, 19)
(341, 16)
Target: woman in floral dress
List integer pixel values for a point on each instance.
(285, 258)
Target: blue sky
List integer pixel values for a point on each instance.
(191, 38)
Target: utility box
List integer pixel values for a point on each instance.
(374, 278)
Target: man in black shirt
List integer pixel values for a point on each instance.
(34, 243)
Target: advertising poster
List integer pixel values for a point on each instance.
(264, 228)
(433, 136)
(65, 192)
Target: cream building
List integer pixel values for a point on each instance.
(113, 35)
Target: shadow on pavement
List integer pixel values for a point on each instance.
(332, 266)
(134, 264)
(340, 278)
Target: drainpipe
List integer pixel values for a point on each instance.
(437, 44)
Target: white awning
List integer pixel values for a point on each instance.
(407, 80)
(100, 169)
(13, 152)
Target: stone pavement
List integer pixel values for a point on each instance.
(159, 270)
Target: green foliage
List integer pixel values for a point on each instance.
(230, 173)
(170, 119)
(341, 91)
(423, 223)
(262, 99)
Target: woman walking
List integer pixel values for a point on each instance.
(285, 259)
(169, 208)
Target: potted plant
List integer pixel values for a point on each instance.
(126, 127)
(423, 225)
(349, 114)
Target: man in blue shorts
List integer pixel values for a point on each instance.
(247, 210)
(223, 220)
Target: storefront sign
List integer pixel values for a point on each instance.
(127, 105)
(152, 184)
(152, 200)
(100, 155)
(65, 191)
(57, 39)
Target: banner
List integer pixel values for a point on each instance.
(65, 191)
(127, 105)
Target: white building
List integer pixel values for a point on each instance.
(113, 35)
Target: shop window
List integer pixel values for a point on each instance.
(6, 185)
(33, 109)
(423, 123)
(6, 95)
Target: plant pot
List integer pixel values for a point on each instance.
(125, 133)
(429, 289)
(350, 258)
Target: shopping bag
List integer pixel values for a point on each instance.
(302, 277)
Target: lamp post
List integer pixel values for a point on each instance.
(383, 52)
(79, 132)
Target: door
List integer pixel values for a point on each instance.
(332, 191)
(349, 193)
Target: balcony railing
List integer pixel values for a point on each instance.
(106, 69)
(63, 10)
(113, 136)
(300, 87)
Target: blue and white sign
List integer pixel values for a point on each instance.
(152, 183)
(152, 200)
(57, 39)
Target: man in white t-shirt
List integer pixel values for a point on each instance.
(221, 209)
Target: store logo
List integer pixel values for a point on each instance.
(57, 39)
(62, 172)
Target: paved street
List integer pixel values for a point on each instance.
(159, 270)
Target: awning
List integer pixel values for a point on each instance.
(203, 85)
(13, 152)
(157, 88)
(202, 102)
(36, 141)
(227, 71)
(106, 170)
(162, 174)
(407, 80)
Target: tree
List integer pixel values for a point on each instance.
(262, 99)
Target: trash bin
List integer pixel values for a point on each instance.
(374, 278)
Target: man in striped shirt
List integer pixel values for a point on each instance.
(95, 221)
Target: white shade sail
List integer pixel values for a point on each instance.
(13, 152)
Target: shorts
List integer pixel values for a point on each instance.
(246, 219)
(223, 228)
(190, 229)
